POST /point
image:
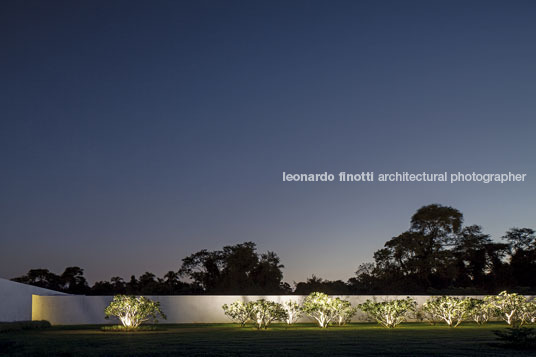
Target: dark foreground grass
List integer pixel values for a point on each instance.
(412, 339)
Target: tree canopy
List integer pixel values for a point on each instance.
(236, 269)
(437, 254)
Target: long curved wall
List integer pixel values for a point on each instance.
(76, 309)
(16, 300)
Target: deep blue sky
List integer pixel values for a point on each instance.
(135, 133)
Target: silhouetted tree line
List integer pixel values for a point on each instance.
(237, 269)
(438, 254)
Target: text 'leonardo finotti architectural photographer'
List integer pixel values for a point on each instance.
(369, 176)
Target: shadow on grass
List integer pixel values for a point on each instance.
(518, 338)
(356, 339)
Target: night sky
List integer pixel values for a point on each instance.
(135, 133)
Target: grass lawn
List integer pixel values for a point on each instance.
(410, 339)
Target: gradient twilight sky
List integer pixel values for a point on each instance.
(134, 133)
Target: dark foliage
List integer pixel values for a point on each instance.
(71, 281)
(522, 338)
(314, 283)
(436, 255)
(237, 269)
(439, 255)
(23, 325)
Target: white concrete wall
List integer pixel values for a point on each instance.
(69, 310)
(16, 300)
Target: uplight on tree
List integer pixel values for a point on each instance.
(132, 311)
(389, 313)
(479, 310)
(293, 311)
(451, 310)
(344, 311)
(264, 312)
(238, 311)
(320, 307)
(512, 308)
(529, 312)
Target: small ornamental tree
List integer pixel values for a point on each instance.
(451, 310)
(293, 311)
(479, 310)
(238, 311)
(389, 313)
(264, 312)
(422, 314)
(529, 312)
(509, 307)
(344, 311)
(134, 310)
(320, 307)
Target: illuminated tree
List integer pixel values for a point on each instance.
(344, 311)
(529, 312)
(389, 313)
(293, 310)
(133, 311)
(512, 308)
(451, 310)
(238, 311)
(320, 307)
(479, 310)
(264, 312)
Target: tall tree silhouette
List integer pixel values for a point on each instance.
(237, 269)
(522, 253)
(419, 258)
